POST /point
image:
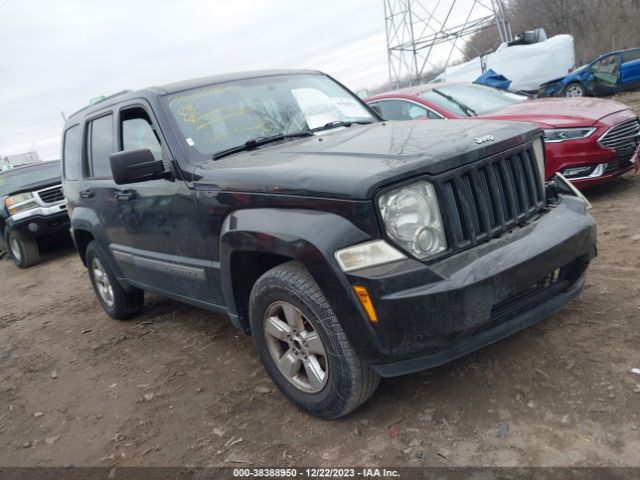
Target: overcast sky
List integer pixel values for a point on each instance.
(57, 55)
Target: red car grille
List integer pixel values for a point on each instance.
(621, 135)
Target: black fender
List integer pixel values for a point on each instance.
(85, 219)
(311, 238)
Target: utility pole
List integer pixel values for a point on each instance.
(425, 35)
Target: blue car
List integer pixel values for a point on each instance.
(608, 74)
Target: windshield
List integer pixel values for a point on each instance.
(221, 116)
(20, 177)
(479, 98)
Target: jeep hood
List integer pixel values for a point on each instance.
(559, 112)
(354, 162)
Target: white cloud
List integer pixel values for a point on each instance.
(57, 55)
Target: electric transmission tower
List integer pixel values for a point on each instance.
(425, 34)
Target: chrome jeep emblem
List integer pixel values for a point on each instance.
(486, 138)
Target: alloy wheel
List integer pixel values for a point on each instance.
(103, 285)
(296, 347)
(574, 91)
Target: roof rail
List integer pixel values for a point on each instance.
(99, 100)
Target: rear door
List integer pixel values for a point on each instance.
(630, 69)
(97, 190)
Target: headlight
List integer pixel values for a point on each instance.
(563, 134)
(538, 151)
(20, 202)
(412, 218)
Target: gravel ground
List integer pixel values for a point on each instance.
(179, 386)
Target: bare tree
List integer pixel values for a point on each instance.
(598, 26)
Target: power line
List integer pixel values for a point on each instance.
(414, 30)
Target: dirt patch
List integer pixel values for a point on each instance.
(177, 385)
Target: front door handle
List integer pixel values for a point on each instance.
(125, 194)
(86, 194)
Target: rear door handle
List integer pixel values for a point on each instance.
(86, 194)
(125, 194)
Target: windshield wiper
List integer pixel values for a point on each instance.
(259, 141)
(465, 108)
(341, 123)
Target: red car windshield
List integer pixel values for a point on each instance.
(467, 99)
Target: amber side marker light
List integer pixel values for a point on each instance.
(366, 302)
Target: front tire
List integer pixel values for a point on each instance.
(118, 303)
(303, 347)
(574, 90)
(23, 250)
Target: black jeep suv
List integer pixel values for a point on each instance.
(350, 248)
(32, 210)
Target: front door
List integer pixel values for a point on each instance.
(160, 216)
(607, 75)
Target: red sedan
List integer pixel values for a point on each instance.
(589, 140)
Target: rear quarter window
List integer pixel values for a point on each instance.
(72, 153)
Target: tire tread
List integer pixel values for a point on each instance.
(126, 304)
(364, 379)
(28, 250)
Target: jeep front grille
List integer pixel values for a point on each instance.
(483, 200)
(621, 135)
(51, 194)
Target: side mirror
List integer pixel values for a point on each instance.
(133, 166)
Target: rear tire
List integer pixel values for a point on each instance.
(118, 303)
(574, 90)
(23, 251)
(296, 332)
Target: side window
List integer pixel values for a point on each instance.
(100, 146)
(416, 111)
(137, 132)
(607, 65)
(433, 115)
(72, 153)
(606, 70)
(393, 110)
(631, 55)
(403, 110)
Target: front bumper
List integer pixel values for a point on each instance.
(586, 163)
(431, 314)
(40, 221)
(605, 172)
